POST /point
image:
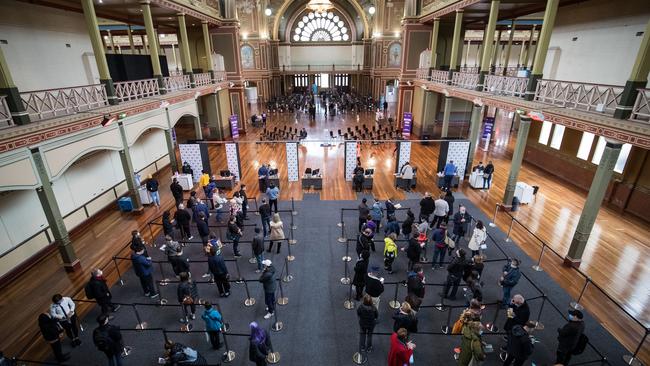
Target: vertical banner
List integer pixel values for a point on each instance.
(488, 127)
(232, 158)
(191, 153)
(234, 126)
(408, 122)
(292, 161)
(403, 154)
(350, 159)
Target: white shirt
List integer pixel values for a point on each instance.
(60, 311)
(442, 207)
(478, 237)
(407, 172)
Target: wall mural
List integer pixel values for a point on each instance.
(247, 57)
(395, 55)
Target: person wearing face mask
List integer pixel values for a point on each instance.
(518, 313)
(510, 278)
(62, 310)
(568, 337)
(520, 347)
(461, 222)
(98, 290)
(472, 352)
(455, 270)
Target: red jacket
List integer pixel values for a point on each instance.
(399, 353)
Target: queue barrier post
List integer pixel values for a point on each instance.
(576, 304)
(359, 358)
(273, 357)
(340, 223)
(538, 323)
(538, 267)
(249, 301)
(348, 303)
(512, 221)
(117, 268)
(141, 325)
(445, 328)
(277, 326)
(165, 280)
(492, 327)
(290, 256)
(346, 257)
(287, 277)
(292, 240)
(282, 300)
(293, 225)
(394, 304)
(229, 355)
(632, 360)
(293, 208)
(342, 239)
(345, 279)
(239, 277)
(494, 218)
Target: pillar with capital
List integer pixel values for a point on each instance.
(98, 49)
(517, 158)
(153, 41)
(184, 48)
(542, 47)
(487, 43)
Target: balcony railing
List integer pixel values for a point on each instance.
(439, 76)
(422, 74)
(505, 85)
(5, 113)
(583, 96)
(464, 80)
(174, 83)
(203, 79)
(331, 67)
(42, 104)
(175, 72)
(510, 71)
(470, 69)
(220, 75)
(641, 109)
(136, 89)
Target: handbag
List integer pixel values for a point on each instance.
(450, 242)
(188, 300)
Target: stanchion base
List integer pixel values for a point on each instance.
(226, 327)
(287, 278)
(228, 356)
(537, 268)
(445, 329)
(346, 258)
(283, 300)
(121, 283)
(633, 361)
(359, 358)
(574, 305)
(291, 258)
(507, 240)
(162, 302)
(339, 224)
(294, 213)
(249, 302)
(273, 357)
(539, 326)
(348, 304)
(187, 327)
(492, 224)
(342, 240)
(345, 280)
(394, 304)
(141, 326)
(239, 281)
(164, 282)
(277, 326)
(293, 241)
(441, 307)
(294, 227)
(252, 261)
(492, 328)
(126, 351)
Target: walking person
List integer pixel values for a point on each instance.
(108, 339)
(360, 272)
(259, 345)
(182, 219)
(510, 278)
(520, 347)
(479, 235)
(427, 206)
(374, 285)
(219, 271)
(455, 271)
(472, 352)
(440, 211)
(568, 337)
(177, 191)
(273, 193)
(265, 216)
(268, 281)
(213, 324)
(152, 187)
(62, 310)
(364, 211)
(368, 315)
(144, 270)
(234, 233)
(461, 222)
(401, 349)
(51, 332)
(449, 173)
(390, 252)
(439, 238)
(258, 249)
(277, 232)
(188, 296)
(487, 175)
(97, 289)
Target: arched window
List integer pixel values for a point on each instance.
(321, 27)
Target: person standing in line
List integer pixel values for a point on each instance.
(413, 251)
(472, 352)
(244, 197)
(377, 213)
(368, 315)
(188, 296)
(143, 268)
(219, 271)
(203, 228)
(364, 211)
(180, 263)
(462, 220)
(360, 271)
(390, 252)
(392, 226)
(234, 234)
(204, 180)
(263, 177)
(478, 238)
(258, 249)
(372, 226)
(449, 197)
(265, 216)
(177, 191)
(569, 336)
(510, 278)
(62, 310)
(406, 174)
(199, 208)
(137, 243)
(401, 349)
(357, 180)
(440, 212)
(97, 289)
(390, 207)
(168, 227)
(108, 339)
(405, 318)
(407, 224)
(385, 107)
(218, 202)
(268, 281)
(51, 332)
(364, 241)
(235, 208)
(487, 175)
(259, 345)
(209, 191)
(518, 313)
(273, 193)
(213, 324)
(439, 246)
(415, 282)
(374, 285)
(449, 173)
(191, 201)
(152, 187)
(277, 232)
(427, 206)
(520, 346)
(182, 219)
(455, 271)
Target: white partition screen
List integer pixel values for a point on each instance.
(403, 154)
(292, 161)
(191, 153)
(350, 159)
(232, 157)
(458, 151)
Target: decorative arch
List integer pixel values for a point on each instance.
(308, 26)
(142, 130)
(173, 123)
(79, 155)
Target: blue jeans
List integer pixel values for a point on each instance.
(506, 295)
(486, 180)
(266, 225)
(438, 252)
(259, 259)
(155, 197)
(269, 300)
(218, 215)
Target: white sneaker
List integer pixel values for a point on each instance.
(190, 238)
(268, 315)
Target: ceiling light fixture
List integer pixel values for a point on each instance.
(372, 10)
(268, 12)
(319, 6)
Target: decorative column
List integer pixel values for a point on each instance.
(197, 124)
(53, 215)
(434, 43)
(129, 173)
(213, 115)
(98, 50)
(638, 77)
(131, 44)
(8, 88)
(520, 59)
(151, 35)
(469, 45)
(529, 47)
(594, 200)
(509, 48)
(110, 41)
(170, 143)
(517, 157)
(495, 51)
(144, 44)
(455, 44)
(542, 47)
(474, 128)
(208, 47)
(487, 43)
(184, 48)
(445, 117)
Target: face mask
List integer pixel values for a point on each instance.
(570, 317)
(480, 332)
(462, 210)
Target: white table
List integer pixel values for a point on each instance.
(476, 180)
(524, 192)
(145, 198)
(185, 180)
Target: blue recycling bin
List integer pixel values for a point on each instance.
(125, 204)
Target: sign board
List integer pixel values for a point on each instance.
(488, 127)
(408, 121)
(234, 126)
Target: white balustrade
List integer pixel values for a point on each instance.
(202, 79)
(42, 104)
(439, 76)
(136, 89)
(174, 83)
(220, 75)
(510, 71)
(470, 69)
(641, 109)
(505, 85)
(583, 96)
(464, 80)
(422, 74)
(5, 113)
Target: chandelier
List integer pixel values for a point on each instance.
(319, 6)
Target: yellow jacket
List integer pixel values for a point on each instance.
(204, 180)
(390, 247)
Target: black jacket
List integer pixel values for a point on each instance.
(460, 228)
(360, 273)
(179, 264)
(457, 266)
(450, 201)
(374, 287)
(99, 289)
(168, 228)
(203, 228)
(363, 243)
(187, 289)
(414, 285)
(368, 315)
(364, 211)
(427, 205)
(522, 314)
(217, 265)
(407, 226)
(413, 250)
(113, 333)
(258, 352)
(489, 169)
(519, 344)
(268, 280)
(390, 209)
(406, 321)
(177, 190)
(182, 217)
(568, 335)
(265, 210)
(50, 328)
(258, 244)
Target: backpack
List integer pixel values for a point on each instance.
(103, 341)
(89, 291)
(581, 345)
(458, 326)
